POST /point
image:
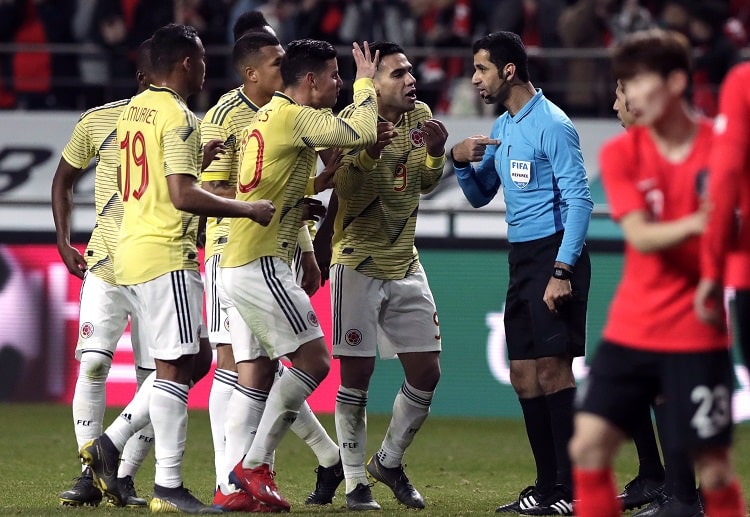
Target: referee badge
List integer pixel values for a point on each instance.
(520, 173)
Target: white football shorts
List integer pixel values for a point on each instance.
(170, 308)
(387, 316)
(276, 309)
(103, 317)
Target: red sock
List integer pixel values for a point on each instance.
(595, 494)
(725, 502)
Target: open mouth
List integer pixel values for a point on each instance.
(411, 95)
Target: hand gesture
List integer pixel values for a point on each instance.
(472, 149)
(366, 65)
(386, 134)
(709, 302)
(310, 273)
(324, 179)
(262, 211)
(73, 260)
(435, 136)
(312, 209)
(211, 151)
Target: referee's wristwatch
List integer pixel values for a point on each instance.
(561, 273)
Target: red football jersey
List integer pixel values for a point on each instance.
(653, 305)
(728, 230)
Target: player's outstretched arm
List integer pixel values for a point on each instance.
(62, 206)
(187, 196)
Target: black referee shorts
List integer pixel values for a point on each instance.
(531, 329)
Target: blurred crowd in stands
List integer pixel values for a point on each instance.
(90, 59)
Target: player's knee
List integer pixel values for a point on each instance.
(95, 365)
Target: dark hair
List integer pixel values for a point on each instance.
(386, 48)
(303, 56)
(143, 56)
(653, 50)
(249, 21)
(505, 47)
(249, 45)
(171, 44)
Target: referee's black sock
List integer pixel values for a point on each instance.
(539, 430)
(560, 406)
(649, 461)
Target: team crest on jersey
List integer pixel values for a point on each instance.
(353, 337)
(416, 137)
(87, 330)
(520, 173)
(312, 319)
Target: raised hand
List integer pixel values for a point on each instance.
(367, 65)
(435, 136)
(386, 134)
(472, 149)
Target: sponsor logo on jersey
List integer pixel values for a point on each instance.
(520, 173)
(416, 137)
(87, 330)
(312, 319)
(353, 337)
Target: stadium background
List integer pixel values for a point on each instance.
(462, 249)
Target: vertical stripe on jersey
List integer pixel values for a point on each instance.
(215, 306)
(181, 305)
(281, 296)
(338, 273)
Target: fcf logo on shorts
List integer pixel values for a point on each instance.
(312, 319)
(520, 173)
(353, 337)
(87, 330)
(226, 323)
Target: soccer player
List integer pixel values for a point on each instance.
(653, 343)
(534, 152)
(726, 243)
(649, 483)
(379, 290)
(104, 306)
(279, 155)
(160, 163)
(257, 57)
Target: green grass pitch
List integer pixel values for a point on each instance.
(461, 466)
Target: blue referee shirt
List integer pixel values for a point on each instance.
(540, 165)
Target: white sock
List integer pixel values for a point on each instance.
(410, 410)
(221, 390)
(351, 429)
(284, 400)
(89, 397)
(168, 410)
(244, 411)
(134, 417)
(139, 445)
(308, 427)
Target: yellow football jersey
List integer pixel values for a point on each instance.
(158, 135)
(377, 214)
(278, 158)
(225, 121)
(95, 135)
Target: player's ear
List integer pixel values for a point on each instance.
(509, 71)
(310, 79)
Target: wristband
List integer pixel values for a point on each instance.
(457, 164)
(561, 273)
(303, 239)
